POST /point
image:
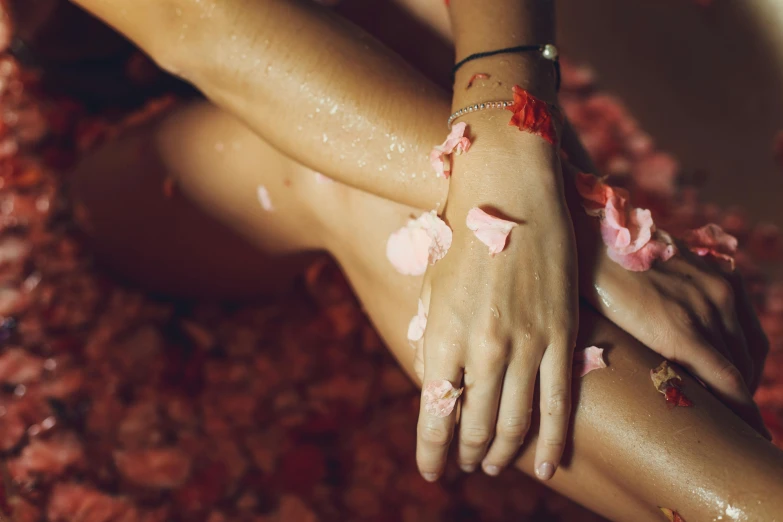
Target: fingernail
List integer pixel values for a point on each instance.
(468, 468)
(430, 477)
(545, 470)
(490, 469)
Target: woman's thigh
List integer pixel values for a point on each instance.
(626, 443)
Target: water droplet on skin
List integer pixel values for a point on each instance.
(527, 336)
(538, 277)
(334, 109)
(325, 138)
(495, 312)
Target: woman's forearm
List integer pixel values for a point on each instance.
(311, 84)
(498, 24)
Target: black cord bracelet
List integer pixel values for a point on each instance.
(548, 51)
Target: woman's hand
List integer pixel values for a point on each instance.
(686, 309)
(494, 321)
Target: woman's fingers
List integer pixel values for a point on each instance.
(727, 329)
(483, 380)
(722, 377)
(555, 404)
(758, 344)
(514, 414)
(442, 377)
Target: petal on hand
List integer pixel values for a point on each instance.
(587, 360)
(418, 324)
(421, 242)
(490, 230)
(660, 248)
(711, 240)
(456, 143)
(626, 230)
(596, 194)
(440, 397)
(629, 233)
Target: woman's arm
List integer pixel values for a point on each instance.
(196, 43)
(509, 321)
(313, 85)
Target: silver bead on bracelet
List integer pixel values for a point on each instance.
(478, 107)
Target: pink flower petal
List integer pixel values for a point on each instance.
(421, 242)
(322, 180)
(455, 143)
(626, 231)
(629, 233)
(587, 360)
(660, 248)
(489, 230)
(711, 240)
(418, 324)
(440, 397)
(264, 199)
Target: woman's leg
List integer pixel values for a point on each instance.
(630, 453)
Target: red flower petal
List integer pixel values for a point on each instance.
(534, 115)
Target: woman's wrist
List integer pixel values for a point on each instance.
(492, 78)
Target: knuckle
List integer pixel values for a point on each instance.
(559, 402)
(492, 348)
(443, 346)
(563, 337)
(554, 444)
(474, 437)
(682, 316)
(434, 435)
(514, 428)
(731, 375)
(722, 292)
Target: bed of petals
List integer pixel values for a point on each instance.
(114, 406)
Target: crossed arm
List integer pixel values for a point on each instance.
(324, 93)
